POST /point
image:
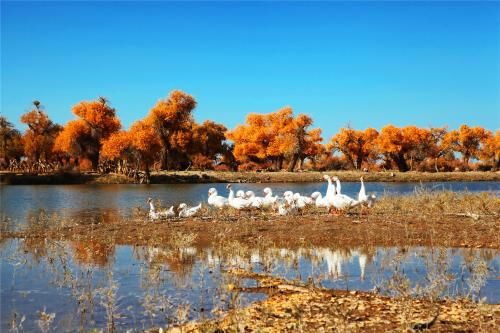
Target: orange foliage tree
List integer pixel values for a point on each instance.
(404, 146)
(207, 144)
(466, 141)
(83, 137)
(251, 140)
(38, 139)
(10, 142)
(313, 148)
(274, 137)
(357, 146)
(172, 121)
(490, 152)
(435, 149)
(140, 143)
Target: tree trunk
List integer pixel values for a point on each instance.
(94, 158)
(359, 161)
(280, 163)
(301, 162)
(147, 177)
(400, 162)
(293, 162)
(164, 158)
(465, 160)
(276, 163)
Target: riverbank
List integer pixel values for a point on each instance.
(295, 307)
(178, 177)
(429, 219)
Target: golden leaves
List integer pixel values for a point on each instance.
(84, 136)
(273, 136)
(38, 140)
(467, 141)
(358, 146)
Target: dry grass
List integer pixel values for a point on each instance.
(423, 202)
(293, 307)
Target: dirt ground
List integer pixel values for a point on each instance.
(172, 177)
(288, 231)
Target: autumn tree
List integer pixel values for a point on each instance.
(140, 143)
(83, 137)
(357, 146)
(466, 141)
(39, 138)
(275, 137)
(251, 140)
(207, 144)
(172, 121)
(419, 142)
(283, 136)
(403, 146)
(435, 148)
(490, 152)
(313, 148)
(118, 146)
(10, 141)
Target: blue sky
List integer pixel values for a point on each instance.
(363, 63)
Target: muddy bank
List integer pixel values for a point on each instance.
(176, 177)
(429, 219)
(293, 231)
(293, 307)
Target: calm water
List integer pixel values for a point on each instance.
(17, 202)
(140, 287)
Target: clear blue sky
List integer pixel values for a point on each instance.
(368, 64)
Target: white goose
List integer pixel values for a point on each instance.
(185, 211)
(216, 200)
(237, 203)
(240, 194)
(284, 208)
(168, 213)
(319, 200)
(330, 190)
(155, 215)
(364, 199)
(257, 202)
(269, 199)
(302, 201)
(288, 196)
(340, 201)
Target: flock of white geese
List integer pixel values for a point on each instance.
(290, 203)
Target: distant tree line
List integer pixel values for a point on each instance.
(168, 138)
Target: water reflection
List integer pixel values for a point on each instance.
(92, 253)
(95, 285)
